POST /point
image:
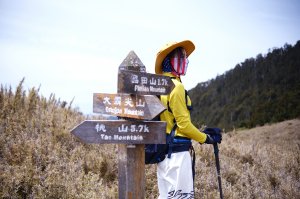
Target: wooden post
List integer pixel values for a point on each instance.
(131, 157)
(131, 171)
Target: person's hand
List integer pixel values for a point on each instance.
(213, 139)
(213, 135)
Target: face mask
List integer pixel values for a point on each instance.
(179, 61)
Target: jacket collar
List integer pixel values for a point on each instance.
(171, 75)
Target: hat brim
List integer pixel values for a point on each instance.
(161, 55)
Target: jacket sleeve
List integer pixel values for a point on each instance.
(181, 114)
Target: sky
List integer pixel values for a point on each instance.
(73, 48)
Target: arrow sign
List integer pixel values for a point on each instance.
(121, 132)
(144, 83)
(124, 105)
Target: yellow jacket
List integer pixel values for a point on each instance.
(178, 106)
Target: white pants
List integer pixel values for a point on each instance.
(175, 176)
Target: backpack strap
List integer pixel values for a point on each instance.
(170, 139)
(186, 101)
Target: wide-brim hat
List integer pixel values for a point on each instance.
(169, 47)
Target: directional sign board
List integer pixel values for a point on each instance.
(124, 105)
(144, 83)
(121, 132)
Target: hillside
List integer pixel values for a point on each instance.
(257, 91)
(39, 158)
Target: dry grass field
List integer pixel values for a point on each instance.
(263, 162)
(39, 158)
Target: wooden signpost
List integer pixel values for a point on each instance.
(136, 101)
(144, 107)
(144, 83)
(120, 131)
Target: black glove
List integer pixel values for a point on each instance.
(213, 135)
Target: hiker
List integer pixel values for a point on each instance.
(175, 174)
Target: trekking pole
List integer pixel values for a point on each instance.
(216, 133)
(216, 151)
